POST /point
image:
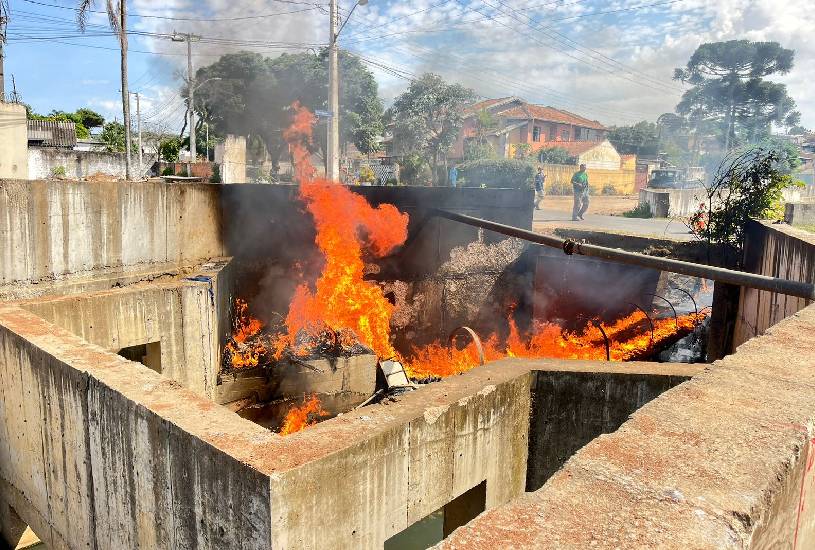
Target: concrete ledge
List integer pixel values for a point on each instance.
(722, 461)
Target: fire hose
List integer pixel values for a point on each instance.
(570, 247)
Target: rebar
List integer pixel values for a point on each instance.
(474, 337)
(670, 305)
(720, 274)
(650, 321)
(689, 295)
(599, 326)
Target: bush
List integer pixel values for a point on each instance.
(216, 173)
(609, 189)
(560, 188)
(556, 155)
(496, 174)
(168, 171)
(391, 181)
(640, 211)
(366, 174)
(58, 172)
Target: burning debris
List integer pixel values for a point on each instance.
(343, 314)
(307, 414)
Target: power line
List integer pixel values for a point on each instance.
(312, 5)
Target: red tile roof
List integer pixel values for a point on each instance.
(530, 111)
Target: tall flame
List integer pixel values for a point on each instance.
(347, 227)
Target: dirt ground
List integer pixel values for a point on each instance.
(600, 204)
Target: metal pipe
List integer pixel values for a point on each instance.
(730, 276)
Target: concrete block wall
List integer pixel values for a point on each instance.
(179, 315)
(97, 452)
(721, 461)
(775, 250)
(52, 229)
(42, 161)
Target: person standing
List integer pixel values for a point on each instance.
(453, 175)
(580, 186)
(540, 181)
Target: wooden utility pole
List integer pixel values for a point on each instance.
(3, 24)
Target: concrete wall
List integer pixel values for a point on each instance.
(180, 315)
(577, 401)
(80, 164)
(51, 229)
(776, 250)
(621, 179)
(231, 155)
(13, 141)
(800, 213)
(99, 452)
(669, 203)
(721, 461)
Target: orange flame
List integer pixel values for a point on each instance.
(347, 226)
(629, 338)
(303, 416)
(245, 326)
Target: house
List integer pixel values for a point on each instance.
(515, 121)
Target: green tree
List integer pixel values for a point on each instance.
(427, 118)
(729, 91)
(254, 94)
(113, 136)
(748, 185)
(641, 139)
(169, 148)
(89, 118)
(556, 155)
(479, 146)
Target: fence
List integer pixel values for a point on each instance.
(559, 177)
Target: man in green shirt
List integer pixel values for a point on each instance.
(580, 186)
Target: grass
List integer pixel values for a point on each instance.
(640, 211)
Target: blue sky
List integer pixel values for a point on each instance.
(610, 61)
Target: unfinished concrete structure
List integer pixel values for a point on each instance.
(98, 451)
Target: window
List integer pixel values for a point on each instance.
(551, 133)
(564, 134)
(536, 133)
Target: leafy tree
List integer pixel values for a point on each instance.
(254, 93)
(730, 93)
(169, 148)
(89, 118)
(427, 118)
(556, 155)
(748, 184)
(479, 146)
(639, 139)
(113, 136)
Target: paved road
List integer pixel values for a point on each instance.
(673, 229)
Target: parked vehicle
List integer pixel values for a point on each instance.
(676, 178)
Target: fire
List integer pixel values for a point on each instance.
(347, 228)
(303, 416)
(240, 351)
(629, 339)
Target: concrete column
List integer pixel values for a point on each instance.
(13, 141)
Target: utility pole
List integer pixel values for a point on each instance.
(334, 97)
(333, 146)
(189, 38)
(3, 23)
(138, 127)
(15, 97)
(125, 87)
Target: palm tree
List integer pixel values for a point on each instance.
(117, 17)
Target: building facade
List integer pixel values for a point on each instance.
(515, 121)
